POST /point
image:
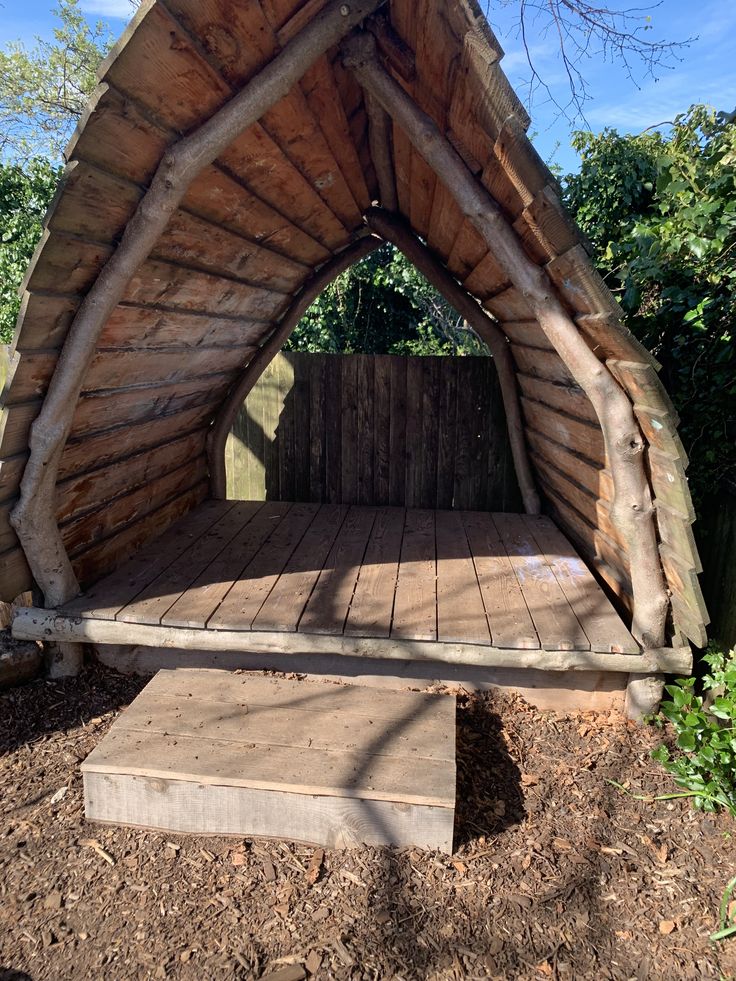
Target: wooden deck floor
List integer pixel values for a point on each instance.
(445, 577)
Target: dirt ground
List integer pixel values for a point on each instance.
(556, 874)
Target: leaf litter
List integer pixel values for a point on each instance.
(556, 873)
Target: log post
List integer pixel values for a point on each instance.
(33, 518)
(643, 695)
(380, 142)
(217, 436)
(632, 510)
(63, 660)
(396, 231)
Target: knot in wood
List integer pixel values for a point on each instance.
(345, 10)
(630, 446)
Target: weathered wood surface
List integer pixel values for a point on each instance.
(333, 822)
(311, 400)
(570, 273)
(274, 206)
(130, 273)
(50, 625)
(251, 755)
(443, 577)
(548, 690)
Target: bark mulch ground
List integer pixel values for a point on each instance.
(556, 873)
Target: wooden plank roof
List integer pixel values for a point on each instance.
(285, 196)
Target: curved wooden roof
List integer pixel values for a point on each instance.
(286, 196)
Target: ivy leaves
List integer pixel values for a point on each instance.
(661, 213)
(25, 193)
(382, 305)
(705, 730)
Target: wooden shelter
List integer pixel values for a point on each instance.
(233, 160)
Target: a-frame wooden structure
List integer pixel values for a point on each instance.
(234, 158)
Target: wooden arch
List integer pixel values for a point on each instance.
(228, 155)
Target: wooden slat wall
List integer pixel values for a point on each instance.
(357, 429)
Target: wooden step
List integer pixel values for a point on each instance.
(220, 752)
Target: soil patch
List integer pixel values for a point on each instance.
(556, 874)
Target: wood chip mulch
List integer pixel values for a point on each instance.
(556, 874)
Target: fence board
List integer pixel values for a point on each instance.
(715, 532)
(358, 429)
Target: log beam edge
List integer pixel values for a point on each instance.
(633, 509)
(33, 517)
(643, 695)
(33, 623)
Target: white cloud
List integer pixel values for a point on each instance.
(658, 102)
(121, 9)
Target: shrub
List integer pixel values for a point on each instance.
(704, 762)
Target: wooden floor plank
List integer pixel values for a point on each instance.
(372, 607)
(556, 624)
(241, 605)
(152, 603)
(331, 730)
(328, 605)
(505, 581)
(603, 627)
(104, 600)
(195, 607)
(347, 773)
(415, 606)
(509, 619)
(266, 692)
(286, 601)
(460, 611)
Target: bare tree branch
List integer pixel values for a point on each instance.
(583, 32)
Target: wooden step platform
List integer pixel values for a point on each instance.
(219, 752)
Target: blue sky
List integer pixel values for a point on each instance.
(706, 71)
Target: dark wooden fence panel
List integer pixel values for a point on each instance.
(715, 532)
(362, 429)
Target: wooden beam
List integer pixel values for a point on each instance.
(31, 623)
(643, 695)
(379, 139)
(217, 436)
(34, 518)
(633, 510)
(396, 231)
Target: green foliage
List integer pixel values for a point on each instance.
(43, 90)
(705, 727)
(727, 917)
(382, 305)
(661, 214)
(25, 193)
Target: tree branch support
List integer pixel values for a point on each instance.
(632, 510)
(380, 140)
(34, 517)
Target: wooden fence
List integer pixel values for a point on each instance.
(362, 429)
(716, 536)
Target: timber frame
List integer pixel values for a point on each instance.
(226, 171)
